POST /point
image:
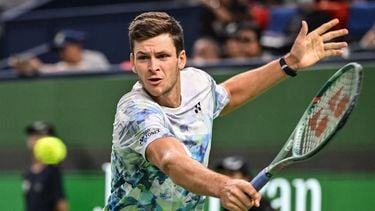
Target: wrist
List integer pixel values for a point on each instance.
(291, 61)
(221, 186)
(286, 68)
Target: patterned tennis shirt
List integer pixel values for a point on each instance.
(136, 183)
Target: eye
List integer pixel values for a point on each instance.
(141, 57)
(162, 56)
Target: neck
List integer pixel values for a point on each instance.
(172, 97)
(172, 102)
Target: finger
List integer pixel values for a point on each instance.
(334, 34)
(254, 196)
(333, 52)
(304, 30)
(250, 192)
(240, 199)
(234, 207)
(244, 195)
(327, 26)
(256, 199)
(335, 45)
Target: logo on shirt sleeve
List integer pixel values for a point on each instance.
(147, 134)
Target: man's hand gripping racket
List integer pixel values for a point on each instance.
(326, 114)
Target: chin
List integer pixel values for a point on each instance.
(154, 92)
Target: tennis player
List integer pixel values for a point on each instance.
(163, 127)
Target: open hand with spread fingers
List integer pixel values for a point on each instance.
(309, 48)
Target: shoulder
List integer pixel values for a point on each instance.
(137, 97)
(195, 77)
(195, 73)
(137, 103)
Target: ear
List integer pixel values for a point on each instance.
(132, 62)
(181, 60)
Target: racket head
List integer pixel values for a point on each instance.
(327, 112)
(337, 99)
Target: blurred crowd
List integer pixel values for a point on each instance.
(239, 30)
(73, 57)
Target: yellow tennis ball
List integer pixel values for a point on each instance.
(50, 150)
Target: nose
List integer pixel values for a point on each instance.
(153, 64)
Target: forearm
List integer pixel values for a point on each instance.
(193, 176)
(248, 85)
(169, 155)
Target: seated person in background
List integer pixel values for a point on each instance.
(205, 50)
(232, 47)
(237, 167)
(245, 43)
(367, 42)
(73, 57)
(307, 11)
(220, 16)
(248, 36)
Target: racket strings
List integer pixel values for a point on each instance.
(326, 113)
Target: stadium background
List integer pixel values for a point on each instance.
(82, 108)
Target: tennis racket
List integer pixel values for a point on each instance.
(326, 114)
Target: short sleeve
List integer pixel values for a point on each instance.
(198, 85)
(137, 125)
(221, 98)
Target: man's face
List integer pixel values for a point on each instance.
(71, 53)
(205, 50)
(248, 39)
(157, 66)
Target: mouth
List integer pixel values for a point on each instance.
(154, 81)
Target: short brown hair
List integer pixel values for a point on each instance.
(151, 24)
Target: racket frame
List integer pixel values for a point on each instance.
(281, 160)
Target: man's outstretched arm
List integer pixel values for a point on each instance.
(308, 49)
(169, 155)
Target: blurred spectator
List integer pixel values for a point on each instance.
(42, 184)
(245, 43)
(238, 168)
(220, 17)
(73, 57)
(260, 13)
(306, 11)
(232, 47)
(336, 8)
(367, 42)
(248, 36)
(205, 50)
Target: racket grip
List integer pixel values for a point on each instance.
(261, 179)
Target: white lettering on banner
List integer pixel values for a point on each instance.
(302, 187)
(281, 187)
